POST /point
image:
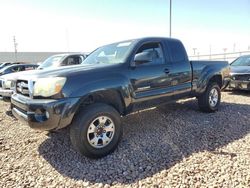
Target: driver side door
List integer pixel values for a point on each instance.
(150, 80)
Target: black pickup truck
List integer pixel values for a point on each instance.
(114, 81)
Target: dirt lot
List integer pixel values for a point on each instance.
(169, 146)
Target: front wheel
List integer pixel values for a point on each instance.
(209, 101)
(96, 130)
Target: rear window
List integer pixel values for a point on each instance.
(177, 51)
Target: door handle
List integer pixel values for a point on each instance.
(167, 71)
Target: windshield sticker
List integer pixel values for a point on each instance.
(124, 44)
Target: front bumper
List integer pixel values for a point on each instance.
(44, 114)
(238, 84)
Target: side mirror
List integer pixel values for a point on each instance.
(143, 57)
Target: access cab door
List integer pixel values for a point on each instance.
(149, 74)
(181, 71)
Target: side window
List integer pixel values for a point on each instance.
(178, 51)
(7, 71)
(72, 60)
(21, 68)
(155, 52)
(15, 69)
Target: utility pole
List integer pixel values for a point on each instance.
(194, 49)
(170, 18)
(234, 47)
(225, 50)
(15, 47)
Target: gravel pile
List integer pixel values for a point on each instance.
(170, 146)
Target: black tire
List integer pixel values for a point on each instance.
(81, 123)
(6, 99)
(203, 100)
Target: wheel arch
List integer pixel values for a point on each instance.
(206, 80)
(110, 97)
(217, 79)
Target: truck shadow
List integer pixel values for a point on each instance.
(153, 141)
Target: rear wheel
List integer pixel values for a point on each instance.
(209, 101)
(96, 130)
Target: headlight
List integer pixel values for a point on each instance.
(7, 84)
(47, 87)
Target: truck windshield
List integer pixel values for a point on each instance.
(110, 54)
(52, 61)
(242, 61)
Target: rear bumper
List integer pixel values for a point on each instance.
(44, 114)
(238, 84)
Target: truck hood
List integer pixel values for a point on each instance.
(240, 69)
(59, 71)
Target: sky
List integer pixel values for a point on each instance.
(84, 25)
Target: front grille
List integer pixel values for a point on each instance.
(22, 87)
(243, 77)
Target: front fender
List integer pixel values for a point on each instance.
(119, 84)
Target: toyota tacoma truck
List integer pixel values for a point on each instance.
(115, 80)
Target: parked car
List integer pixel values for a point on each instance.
(4, 64)
(63, 60)
(8, 76)
(240, 73)
(115, 80)
(17, 68)
(7, 85)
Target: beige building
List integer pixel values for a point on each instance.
(29, 57)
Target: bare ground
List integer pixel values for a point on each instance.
(174, 145)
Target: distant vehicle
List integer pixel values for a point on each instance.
(63, 60)
(4, 64)
(240, 73)
(7, 83)
(17, 68)
(7, 80)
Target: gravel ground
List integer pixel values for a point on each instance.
(169, 146)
